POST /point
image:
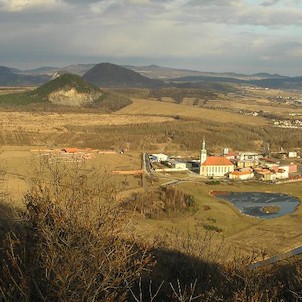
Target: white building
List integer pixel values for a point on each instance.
(292, 154)
(159, 157)
(175, 164)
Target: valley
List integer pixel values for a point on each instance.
(49, 143)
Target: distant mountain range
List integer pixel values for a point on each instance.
(151, 76)
(12, 77)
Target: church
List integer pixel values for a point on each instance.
(214, 166)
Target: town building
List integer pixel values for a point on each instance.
(214, 166)
(241, 175)
(270, 174)
(292, 154)
(175, 164)
(247, 160)
(159, 157)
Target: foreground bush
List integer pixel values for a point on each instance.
(73, 246)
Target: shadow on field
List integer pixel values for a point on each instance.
(177, 277)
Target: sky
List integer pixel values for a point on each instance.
(243, 36)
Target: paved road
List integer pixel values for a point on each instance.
(146, 164)
(294, 252)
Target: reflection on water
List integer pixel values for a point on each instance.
(251, 203)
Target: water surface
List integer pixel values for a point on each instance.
(252, 203)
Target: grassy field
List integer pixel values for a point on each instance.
(18, 162)
(235, 231)
(143, 106)
(55, 122)
(158, 126)
(238, 232)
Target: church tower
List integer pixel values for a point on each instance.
(203, 152)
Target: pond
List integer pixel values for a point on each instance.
(260, 204)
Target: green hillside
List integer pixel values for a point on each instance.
(64, 82)
(18, 99)
(104, 101)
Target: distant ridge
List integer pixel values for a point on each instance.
(149, 76)
(7, 77)
(41, 71)
(111, 75)
(13, 77)
(79, 69)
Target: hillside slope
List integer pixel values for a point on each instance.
(111, 75)
(68, 89)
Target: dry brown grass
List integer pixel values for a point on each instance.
(255, 105)
(18, 160)
(143, 106)
(55, 122)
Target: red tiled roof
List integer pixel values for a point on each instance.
(217, 161)
(263, 171)
(241, 173)
(267, 159)
(71, 150)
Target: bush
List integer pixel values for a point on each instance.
(161, 201)
(73, 247)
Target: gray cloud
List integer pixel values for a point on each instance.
(228, 35)
(269, 2)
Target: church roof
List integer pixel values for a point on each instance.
(217, 161)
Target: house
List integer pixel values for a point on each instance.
(241, 175)
(293, 168)
(292, 154)
(282, 174)
(247, 159)
(265, 174)
(229, 154)
(269, 162)
(71, 150)
(214, 166)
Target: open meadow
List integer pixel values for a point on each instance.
(19, 161)
(143, 106)
(234, 231)
(156, 126)
(173, 233)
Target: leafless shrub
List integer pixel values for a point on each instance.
(296, 284)
(185, 294)
(157, 202)
(76, 248)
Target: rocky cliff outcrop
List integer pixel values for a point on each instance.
(72, 97)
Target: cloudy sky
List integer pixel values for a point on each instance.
(246, 36)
